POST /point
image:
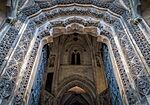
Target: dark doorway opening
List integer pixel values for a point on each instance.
(78, 58)
(49, 81)
(74, 99)
(75, 58)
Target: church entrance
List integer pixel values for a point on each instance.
(77, 70)
(57, 52)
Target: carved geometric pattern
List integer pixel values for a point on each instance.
(113, 86)
(35, 94)
(141, 41)
(6, 44)
(132, 98)
(135, 66)
(15, 63)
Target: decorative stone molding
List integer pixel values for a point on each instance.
(6, 44)
(43, 23)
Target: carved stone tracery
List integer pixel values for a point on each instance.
(13, 67)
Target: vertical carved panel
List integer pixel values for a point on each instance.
(36, 88)
(111, 80)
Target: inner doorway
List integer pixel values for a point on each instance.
(75, 96)
(75, 99)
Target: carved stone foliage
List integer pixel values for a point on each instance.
(14, 65)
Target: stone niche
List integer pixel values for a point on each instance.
(77, 55)
(75, 58)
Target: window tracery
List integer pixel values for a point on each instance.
(75, 58)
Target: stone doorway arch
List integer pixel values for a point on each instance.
(76, 99)
(38, 27)
(74, 89)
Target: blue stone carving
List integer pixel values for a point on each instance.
(36, 88)
(112, 83)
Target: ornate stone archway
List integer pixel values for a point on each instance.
(37, 25)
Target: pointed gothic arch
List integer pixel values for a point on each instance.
(79, 81)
